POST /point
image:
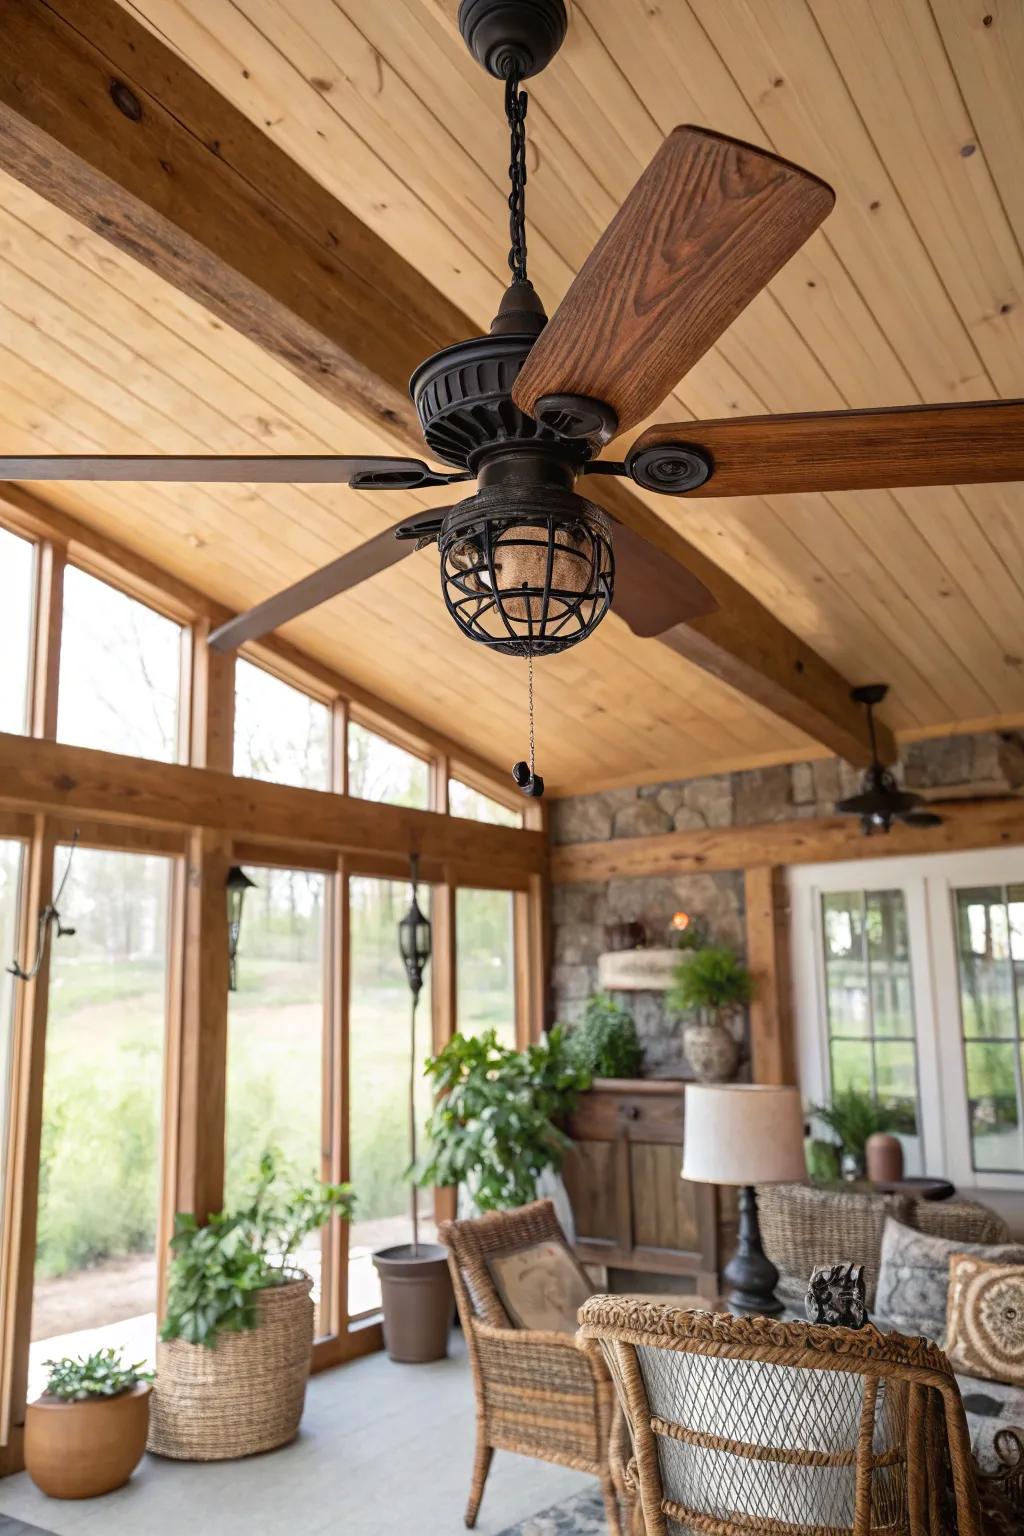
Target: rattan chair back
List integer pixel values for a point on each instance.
(744, 1425)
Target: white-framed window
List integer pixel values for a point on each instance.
(909, 980)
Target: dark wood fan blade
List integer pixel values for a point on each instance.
(653, 594)
(708, 224)
(840, 450)
(347, 571)
(322, 469)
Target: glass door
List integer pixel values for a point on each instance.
(100, 1161)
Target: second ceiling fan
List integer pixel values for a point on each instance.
(529, 566)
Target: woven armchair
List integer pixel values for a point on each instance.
(744, 1425)
(536, 1393)
(802, 1226)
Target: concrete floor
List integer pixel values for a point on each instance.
(383, 1447)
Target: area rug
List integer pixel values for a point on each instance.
(582, 1515)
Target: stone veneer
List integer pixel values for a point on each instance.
(581, 912)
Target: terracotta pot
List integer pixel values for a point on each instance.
(416, 1289)
(711, 1051)
(883, 1158)
(80, 1450)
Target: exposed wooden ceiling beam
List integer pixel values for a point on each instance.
(816, 840)
(105, 786)
(100, 117)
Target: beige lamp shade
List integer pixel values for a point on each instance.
(742, 1133)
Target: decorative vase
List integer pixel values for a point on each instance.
(711, 1050)
(247, 1393)
(883, 1158)
(416, 1291)
(81, 1450)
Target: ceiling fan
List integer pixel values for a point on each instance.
(881, 801)
(529, 566)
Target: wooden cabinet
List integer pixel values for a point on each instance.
(632, 1210)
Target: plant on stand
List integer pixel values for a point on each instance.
(711, 985)
(234, 1355)
(497, 1125)
(416, 1289)
(86, 1434)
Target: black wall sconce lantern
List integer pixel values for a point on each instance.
(414, 935)
(238, 883)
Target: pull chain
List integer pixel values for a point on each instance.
(533, 743)
(515, 112)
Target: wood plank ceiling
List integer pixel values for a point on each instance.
(913, 290)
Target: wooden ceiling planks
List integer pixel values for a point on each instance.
(385, 107)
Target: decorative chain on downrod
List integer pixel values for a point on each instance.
(515, 112)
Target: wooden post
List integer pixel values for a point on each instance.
(211, 701)
(48, 610)
(201, 1068)
(336, 1101)
(21, 1186)
(772, 1046)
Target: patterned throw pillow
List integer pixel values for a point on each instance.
(913, 1278)
(985, 1319)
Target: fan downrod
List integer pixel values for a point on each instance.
(518, 37)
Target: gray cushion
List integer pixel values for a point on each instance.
(913, 1279)
(990, 1406)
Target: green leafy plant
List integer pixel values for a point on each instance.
(497, 1123)
(604, 1042)
(103, 1374)
(217, 1270)
(712, 980)
(853, 1116)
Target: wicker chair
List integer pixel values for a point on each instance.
(536, 1393)
(802, 1226)
(744, 1425)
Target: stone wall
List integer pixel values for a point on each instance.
(580, 913)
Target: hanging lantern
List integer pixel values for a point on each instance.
(238, 883)
(414, 936)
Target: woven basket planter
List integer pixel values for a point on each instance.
(243, 1396)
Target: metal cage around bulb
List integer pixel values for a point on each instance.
(414, 934)
(527, 571)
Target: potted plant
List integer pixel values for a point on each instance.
(604, 1043)
(415, 1286)
(710, 984)
(86, 1434)
(853, 1117)
(497, 1126)
(234, 1351)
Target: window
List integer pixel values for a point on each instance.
(275, 1037)
(378, 770)
(990, 952)
(119, 672)
(485, 947)
(99, 1176)
(275, 1027)
(464, 801)
(379, 1058)
(17, 558)
(10, 876)
(281, 733)
(872, 1038)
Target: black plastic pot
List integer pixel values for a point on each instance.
(418, 1301)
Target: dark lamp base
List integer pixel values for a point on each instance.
(750, 1276)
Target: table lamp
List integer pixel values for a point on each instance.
(745, 1133)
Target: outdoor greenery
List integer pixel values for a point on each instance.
(103, 1374)
(498, 1121)
(216, 1271)
(605, 1043)
(711, 979)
